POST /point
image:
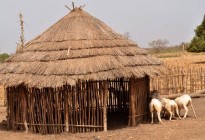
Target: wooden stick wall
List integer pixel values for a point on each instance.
(180, 80)
(76, 109)
(82, 108)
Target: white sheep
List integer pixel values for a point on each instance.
(183, 102)
(155, 106)
(167, 105)
(170, 106)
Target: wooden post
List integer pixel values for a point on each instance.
(73, 5)
(8, 109)
(132, 101)
(147, 78)
(22, 38)
(66, 109)
(105, 90)
(24, 104)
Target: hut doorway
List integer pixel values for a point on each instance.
(119, 111)
(118, 103)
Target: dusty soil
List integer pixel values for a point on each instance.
(188, 129)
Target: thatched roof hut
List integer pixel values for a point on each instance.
(79, 48)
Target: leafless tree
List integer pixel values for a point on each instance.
(158, 45)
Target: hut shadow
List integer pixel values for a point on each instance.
(117, 127)
(117, 120)
(199, 62)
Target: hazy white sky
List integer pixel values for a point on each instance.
(146, 20)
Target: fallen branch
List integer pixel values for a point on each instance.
(198, 94)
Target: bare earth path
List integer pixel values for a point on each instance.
(188, 129)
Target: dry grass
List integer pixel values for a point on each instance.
(183, 59)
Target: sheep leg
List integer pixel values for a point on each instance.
(170, 113)
(159, 118)
(186, 111)
(177, 112)
(193, 109)
(170, 118)
(152, 116)
(180, 112)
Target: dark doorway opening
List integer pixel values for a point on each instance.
(118, 104)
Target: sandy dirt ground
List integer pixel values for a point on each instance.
(188, 129)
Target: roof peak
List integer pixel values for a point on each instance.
(75, 8)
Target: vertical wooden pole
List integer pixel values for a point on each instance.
(22, 39)
(8, 106)
(130, 110)
(24, 104)
(73, 5)
(74, 108)
(132, 101)
(66, 108)
(101, 102)
(147, 78)
(88, 104)
(105, 90)
(201, 78)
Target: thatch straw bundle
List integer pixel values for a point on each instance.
(77, 47)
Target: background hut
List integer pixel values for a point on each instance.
(76, 77)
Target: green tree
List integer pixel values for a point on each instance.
(3, 57)
(198, 42)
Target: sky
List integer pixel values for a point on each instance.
(145, 20)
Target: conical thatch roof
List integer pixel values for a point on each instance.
(77, 47)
